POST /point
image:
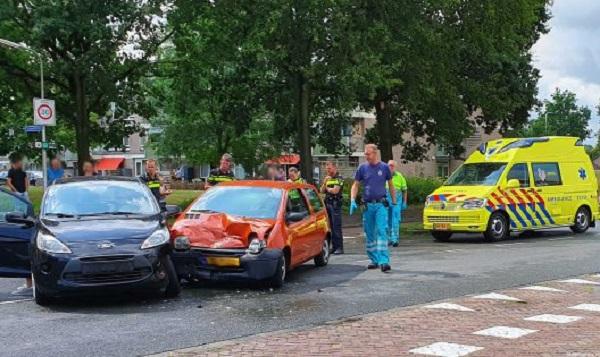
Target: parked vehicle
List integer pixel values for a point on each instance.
(516, 185)
(3, 177)
(35, 177)
(95, 235)
(15, 235)
(251, 231)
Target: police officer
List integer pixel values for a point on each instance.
(154, 182)
(223, 173)
(395, 211)
(374, 175)
(332, 187)
(294, 175)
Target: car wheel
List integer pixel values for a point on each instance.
(497, 228)
(441, 236)
(39, 297)
(279, 278)
(582, 220)
(323, 258)
(173, 287)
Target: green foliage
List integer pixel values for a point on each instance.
(419, 188)
(561, 116)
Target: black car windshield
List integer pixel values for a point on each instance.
(252, 202)
(102, 197)
(478, 174)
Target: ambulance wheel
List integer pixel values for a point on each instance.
(497, 228)
(441, 236)
(582, 220)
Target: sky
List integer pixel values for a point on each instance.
(569, 55)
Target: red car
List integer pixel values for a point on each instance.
(251, 230)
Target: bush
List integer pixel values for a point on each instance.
(419, 188)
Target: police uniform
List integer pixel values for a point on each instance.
(395, 211)
(154, 185)
(333, 203)
(217, 176)
(294, 193)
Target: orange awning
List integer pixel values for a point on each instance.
(109, 163)
(288, 159)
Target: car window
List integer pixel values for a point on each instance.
(546, 174)
(314, 199)
(296, 202)
(519, 172)
(11, 204)
(253, 202)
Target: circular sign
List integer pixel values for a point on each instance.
(44, 112)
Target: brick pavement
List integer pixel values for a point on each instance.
(399, 331)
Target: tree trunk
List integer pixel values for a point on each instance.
(303, 94)
(82, 123)
(384, 126)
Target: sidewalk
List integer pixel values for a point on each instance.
(556, 318)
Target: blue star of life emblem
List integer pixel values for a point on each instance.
(582, 174)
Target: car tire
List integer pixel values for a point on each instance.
(280, 273)
(582, 220)
(441, 236)
(39, 297)
(173, 286)
(323, 258)
(497, 228)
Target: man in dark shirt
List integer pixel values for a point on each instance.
(17, 180)
(222, 174)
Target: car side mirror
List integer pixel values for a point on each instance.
(291, 217)
(513, 183)
(20, 218)
(172, 210)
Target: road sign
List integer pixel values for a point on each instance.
(44, 112)
(38, 144)
(33, 129)
(46, 145)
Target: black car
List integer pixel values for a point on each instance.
(99, 235)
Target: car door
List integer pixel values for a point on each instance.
(549, 192)
(321, 226)
(14, 237)
(301, 231)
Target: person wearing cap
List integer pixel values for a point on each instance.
(294, 175)
(332, 187)
(223, 173)
(395, 211)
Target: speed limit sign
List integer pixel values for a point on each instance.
(44, 112)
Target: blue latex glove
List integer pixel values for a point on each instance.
(404, 205)
(353, 207)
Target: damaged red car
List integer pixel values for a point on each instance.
(251, 231)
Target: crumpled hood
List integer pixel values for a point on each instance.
(219, 230)
(460, 193)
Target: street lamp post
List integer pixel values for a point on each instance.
(19, 46)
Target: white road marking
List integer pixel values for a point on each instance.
(454, 250)
(13, 301)
(505, 332)
(560, 238)
(579, 281)
(349, 237)
(542, 288)
(495, 296)
(554, 319)
(448, 306)
(445, 349)
(586, 307)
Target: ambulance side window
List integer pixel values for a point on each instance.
(546, 174)
(519, 172)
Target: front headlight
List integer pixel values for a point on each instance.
(256, 246)
(157, 238)
(474, 203)
(50, 244)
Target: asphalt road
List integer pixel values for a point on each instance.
(423, 271)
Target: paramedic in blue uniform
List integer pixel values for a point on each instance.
(374, 175)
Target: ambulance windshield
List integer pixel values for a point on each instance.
(478, 174)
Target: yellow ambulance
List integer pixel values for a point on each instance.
(517, 184)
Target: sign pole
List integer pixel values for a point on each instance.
(44, 154)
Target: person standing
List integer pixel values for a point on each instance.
(395, 211)
(17, 180)
(374, 175)
(55, 171)
(294, 175)
(332, 187)
(223, 173)
(154, 182)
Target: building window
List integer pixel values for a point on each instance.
(442, 171)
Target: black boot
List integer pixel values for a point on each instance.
(385, 268)
(338, 251)
(372, 266)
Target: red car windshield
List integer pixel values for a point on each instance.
(251, 202)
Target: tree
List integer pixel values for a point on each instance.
(433, 70)
(561, 116)
(94, 52)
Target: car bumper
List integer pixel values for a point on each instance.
(203, 264)
(456, 220)
(64, 275)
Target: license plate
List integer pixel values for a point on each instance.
(441, 226)
(112, 267)
(223, 261)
